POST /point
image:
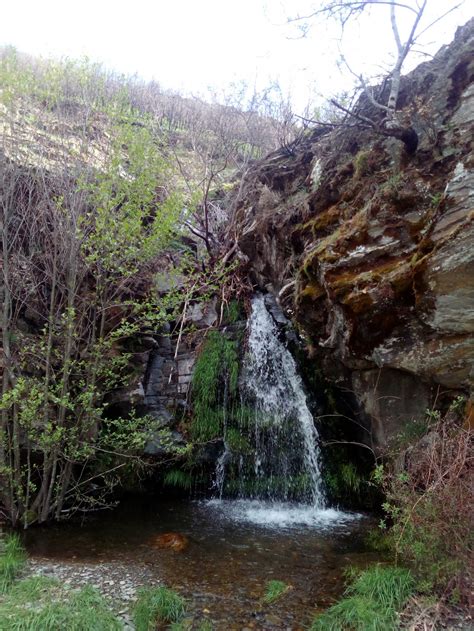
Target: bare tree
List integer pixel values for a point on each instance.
(383, 98)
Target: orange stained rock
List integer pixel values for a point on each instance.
(171, 540)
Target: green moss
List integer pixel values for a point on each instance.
(233, 312)
(361, 164)
(322, 221)
(313, 291)
(216, 373)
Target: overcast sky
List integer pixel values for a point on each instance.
(191, 44)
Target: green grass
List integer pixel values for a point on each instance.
(157, 604)
(274, 590)
(12, 561)
(43, 604)
(237, 442)
(40, 603)
(179, 479)
(371, 602)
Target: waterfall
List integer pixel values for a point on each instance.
(282, 463)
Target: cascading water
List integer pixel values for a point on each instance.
(285, 459)
(275, 473)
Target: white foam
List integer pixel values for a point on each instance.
(286, 439)
(279, 515)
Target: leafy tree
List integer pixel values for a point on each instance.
(79, 240)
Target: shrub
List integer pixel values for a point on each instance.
(429, 506)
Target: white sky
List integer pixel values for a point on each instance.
(192, 44)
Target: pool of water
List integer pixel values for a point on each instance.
(235, 548)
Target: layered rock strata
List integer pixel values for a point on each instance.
(371, 251)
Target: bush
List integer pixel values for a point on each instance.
(429, 506)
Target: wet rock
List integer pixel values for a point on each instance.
(171, 541)
(389, 398)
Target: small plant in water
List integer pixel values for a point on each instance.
(275, 590)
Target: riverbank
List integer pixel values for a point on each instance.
(117, 582)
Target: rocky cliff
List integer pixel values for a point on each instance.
(370, 250)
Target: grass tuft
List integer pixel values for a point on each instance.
(371, 602)
(157, 605)
(41, 603)
(274, 590)
(179, 479)
(12, 561)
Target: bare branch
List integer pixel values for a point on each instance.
(396, 34)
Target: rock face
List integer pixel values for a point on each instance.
(371, 251)
(163, 366)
